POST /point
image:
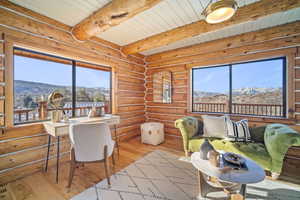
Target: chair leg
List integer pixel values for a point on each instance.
(106, 165)
(113, 158)
(72, 168)
(113, 161)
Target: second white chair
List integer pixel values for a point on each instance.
(91, 143)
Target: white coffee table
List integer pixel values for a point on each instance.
(229, 181)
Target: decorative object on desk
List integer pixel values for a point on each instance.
(65, 118)
(205, 148)
(214, 158)
(102, 113)
(56, 115)
(96, 112)
(55, 100)
(93, 112)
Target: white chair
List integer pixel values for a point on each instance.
(91, 143)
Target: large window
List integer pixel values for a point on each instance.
(91, 90)
(251, 88)
(36, 75)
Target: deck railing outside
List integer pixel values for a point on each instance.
(40, 113)
(272, 110)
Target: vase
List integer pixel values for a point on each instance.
(205, 148)
(93, 112)
(56, 115)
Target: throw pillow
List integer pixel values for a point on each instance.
(238, 131)
(214, 126)
(257, 134)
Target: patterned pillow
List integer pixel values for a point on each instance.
(238, 131)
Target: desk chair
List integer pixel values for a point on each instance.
(91, 142)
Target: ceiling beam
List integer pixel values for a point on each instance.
(110, 15)
(244, 14)
(105, 46)
(253, 37)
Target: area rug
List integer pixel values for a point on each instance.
(162, 175)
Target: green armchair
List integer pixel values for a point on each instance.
(269, 149)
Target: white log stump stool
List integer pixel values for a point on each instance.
(152, 133)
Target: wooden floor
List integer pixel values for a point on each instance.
(42, 186)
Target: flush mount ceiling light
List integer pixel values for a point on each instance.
(219, 11)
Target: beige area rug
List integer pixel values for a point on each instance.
(162, 175)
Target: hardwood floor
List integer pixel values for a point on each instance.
(42, 186)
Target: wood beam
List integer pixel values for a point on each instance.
(287, 42)
(110, 15)
(244, 14)
(268, 34)
(104, 46)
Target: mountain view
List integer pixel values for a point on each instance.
(28, 94)
(242, 95)
(256, 101)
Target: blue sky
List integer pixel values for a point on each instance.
(267, 74)
(36, 70)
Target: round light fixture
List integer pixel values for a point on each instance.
(219, 11)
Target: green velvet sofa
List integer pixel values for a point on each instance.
(270, 144)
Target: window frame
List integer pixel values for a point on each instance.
(73, 65)
(230, 65)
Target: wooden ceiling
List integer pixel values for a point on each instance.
(156, 28)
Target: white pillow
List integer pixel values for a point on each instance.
(214, 126)
(238, 131)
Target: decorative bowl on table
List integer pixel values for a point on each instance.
(233, 158)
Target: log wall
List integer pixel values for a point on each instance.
(268, 43)
(23, 147)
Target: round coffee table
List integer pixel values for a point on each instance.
(212, 178)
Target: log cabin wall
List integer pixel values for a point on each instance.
(278, 41)
(23, 147)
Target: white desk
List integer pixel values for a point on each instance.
(62, 128)
(58, 129)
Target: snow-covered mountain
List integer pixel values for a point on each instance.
(252, 91)
(240, 91)
(242, 95)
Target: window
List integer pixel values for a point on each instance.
(250, 88)
(211, 91)
(91, 91)
(37, 75)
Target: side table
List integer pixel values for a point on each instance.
(211, 178)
